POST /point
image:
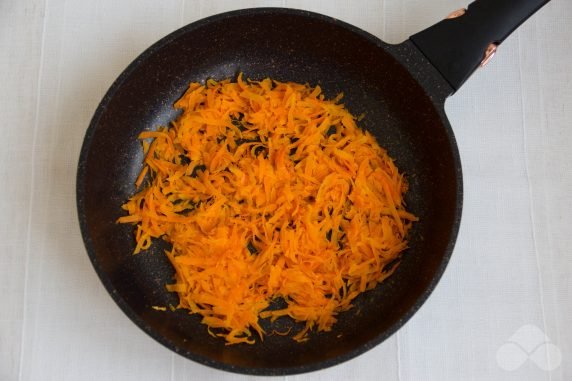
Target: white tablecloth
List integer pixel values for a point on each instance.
(503, 310)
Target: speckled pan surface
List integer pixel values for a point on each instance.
(402, 97)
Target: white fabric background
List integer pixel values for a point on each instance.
(511, 267)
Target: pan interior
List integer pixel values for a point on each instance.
(287, 46)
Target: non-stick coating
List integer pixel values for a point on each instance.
(289, 46)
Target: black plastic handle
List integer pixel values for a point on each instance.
(456, 46)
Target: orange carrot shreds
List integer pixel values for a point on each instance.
(266, 190)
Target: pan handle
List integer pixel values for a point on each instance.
(467, 39)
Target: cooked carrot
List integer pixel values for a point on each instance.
(141, 176)
(268, 190)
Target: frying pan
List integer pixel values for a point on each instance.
(400, 88)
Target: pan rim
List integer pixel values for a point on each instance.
(126, 308)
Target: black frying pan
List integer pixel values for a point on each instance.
(400, 88)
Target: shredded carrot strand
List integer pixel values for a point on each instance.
(267, 190)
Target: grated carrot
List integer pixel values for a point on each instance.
(267, 190)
